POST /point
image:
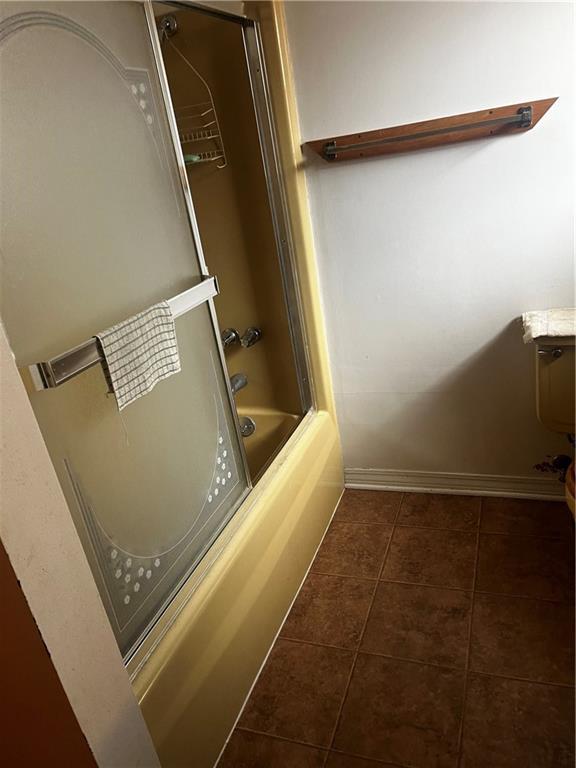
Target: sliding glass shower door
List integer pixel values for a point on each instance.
(95, 227)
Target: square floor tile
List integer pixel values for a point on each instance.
(426, 556)
(402, 712)
(353, 549)
(252, 750)
(427, 624)
(432, 510)
(521, 637)
(330, 610)
(299, 692)
(368, 507)
(526, 565)
(524, 516)
(513, 724)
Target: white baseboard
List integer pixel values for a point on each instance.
(454, 482)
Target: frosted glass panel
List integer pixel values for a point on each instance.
(94, 228)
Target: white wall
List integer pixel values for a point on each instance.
(427, 259)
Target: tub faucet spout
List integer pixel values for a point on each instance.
(237, 382)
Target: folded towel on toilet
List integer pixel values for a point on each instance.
(140, 352)
(549, 322)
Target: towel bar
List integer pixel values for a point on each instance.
(523, 119)
(484, 124)
(57, 370)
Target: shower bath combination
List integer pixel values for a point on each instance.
(181, 185)
(230, 180)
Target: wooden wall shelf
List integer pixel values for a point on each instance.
(487, 123)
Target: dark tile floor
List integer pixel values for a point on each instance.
(432, 632)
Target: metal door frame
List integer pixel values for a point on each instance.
(179, 157)
(268, 141)
(277, 200)
(262, 101)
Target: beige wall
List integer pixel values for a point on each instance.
(428, 259)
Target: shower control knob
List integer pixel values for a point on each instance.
(230, 336)
(250, 336)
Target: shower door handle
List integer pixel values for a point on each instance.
(56, 371)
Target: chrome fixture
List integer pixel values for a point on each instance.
(247, 426)
(250, 336)
(167, 26)
(230, 336)
(555, 352)
(237, 382)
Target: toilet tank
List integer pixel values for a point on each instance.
(555, 382)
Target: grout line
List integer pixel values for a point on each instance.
(369, 611)
(558, 601)
(373, 653)
(421, 663)
(451, 668)
(548, 537)
(570, 686)
(361, 522)
(316, 644)
(436, 528)
(282, 738)
(310, 745)
(344, 694)
(532, 536)
(421, 584)
(344, 575)
(371, 759)
(469, 643)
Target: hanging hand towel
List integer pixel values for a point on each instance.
(140, 352)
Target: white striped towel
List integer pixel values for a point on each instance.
(140, 352)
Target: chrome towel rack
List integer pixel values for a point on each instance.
(54, 372)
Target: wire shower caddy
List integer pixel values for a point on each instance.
(198, 124)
